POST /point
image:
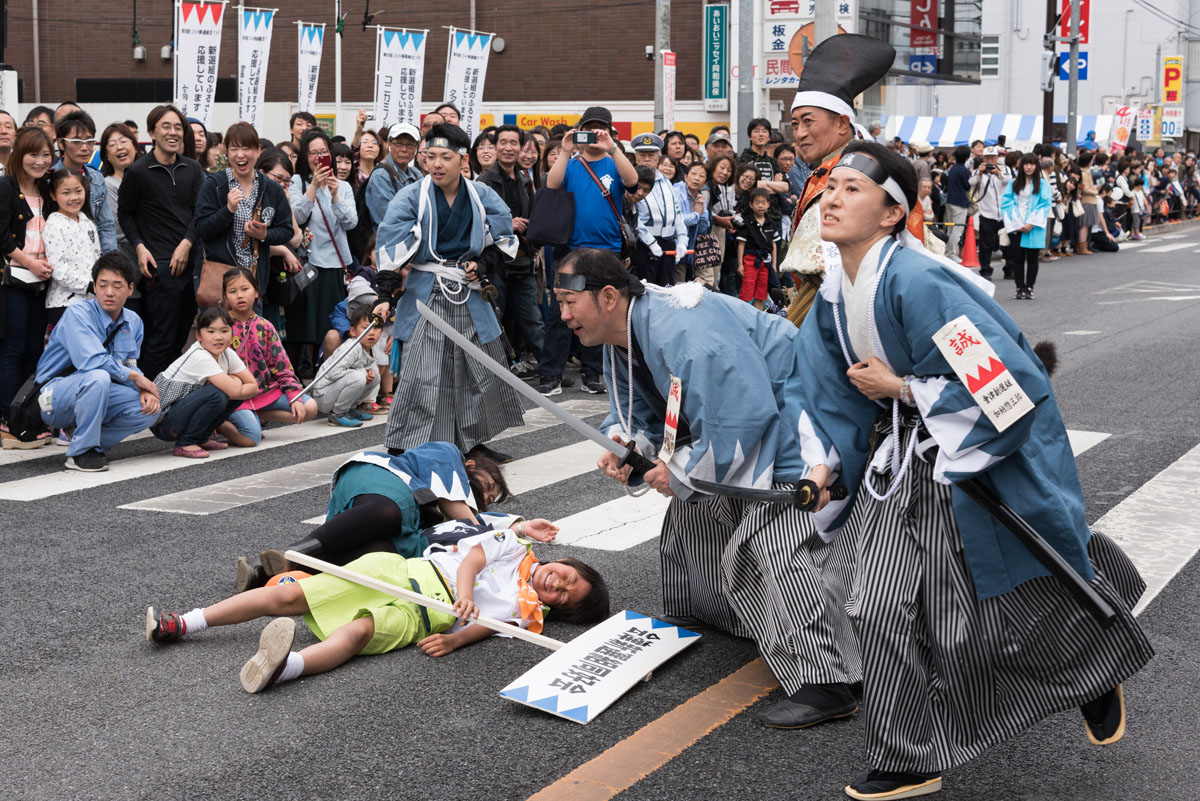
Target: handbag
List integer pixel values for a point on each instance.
(286, 287)
(212, 274)
(25, 415)
(17, 277)
(627, 234)
(552, 218)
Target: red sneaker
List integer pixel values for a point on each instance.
(164, 626)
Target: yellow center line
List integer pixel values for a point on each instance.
(658, 742)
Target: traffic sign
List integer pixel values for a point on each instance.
(1064, 64)
(926, 64)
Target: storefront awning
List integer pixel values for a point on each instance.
(962, 130)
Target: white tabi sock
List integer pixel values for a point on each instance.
(293, 668)
(194, 622)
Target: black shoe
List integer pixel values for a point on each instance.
(1019, 294)
(1105, 717)
(811, 705)
(484, 450)
(1029, 294)
(685, 622)
(550, 386)
(395, 451)
(90, 461)
(274, 562)
(593, 385)
(882, 784)
(250, 576)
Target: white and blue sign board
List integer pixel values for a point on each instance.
(1064, 66)
(924, 64)
(584, 677)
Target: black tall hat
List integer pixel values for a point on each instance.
(841, 68)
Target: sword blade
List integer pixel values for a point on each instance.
(744, 493)
(524, 390)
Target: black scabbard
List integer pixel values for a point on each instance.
(1083, 592)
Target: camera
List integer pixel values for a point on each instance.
(584, 137)
(738, 221)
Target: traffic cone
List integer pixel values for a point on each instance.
(970, 254)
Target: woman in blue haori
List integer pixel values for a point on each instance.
(966, 640)
(753, 569)
(451, 232)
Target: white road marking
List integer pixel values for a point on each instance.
(1085, 440)
(1156, 525)
(1148, 287)
(1168, 248)
(36, 488)
(226, 495)
(1080, 333)
(616, 525)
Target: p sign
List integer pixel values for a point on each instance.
(924, 64)
(1064, 66)
(1172, 79)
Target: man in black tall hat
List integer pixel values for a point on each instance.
(823, 122)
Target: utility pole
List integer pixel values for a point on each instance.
(1073, 85)
(662, 43)
(745, 82)
(1048, 97)
(824, 21)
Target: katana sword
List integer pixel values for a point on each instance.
(376, 320)
(629, 456)
(805, 497)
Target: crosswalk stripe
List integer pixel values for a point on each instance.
(226, 495)
(615, 525)
(1156, 525)
(1168, 248)
(49, 485)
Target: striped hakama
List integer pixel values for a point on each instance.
(948, 675)
(764, 574)
(444, 395)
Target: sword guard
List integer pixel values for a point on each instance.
(639, 464)
(808, 496)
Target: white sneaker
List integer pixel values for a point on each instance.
(274, 645)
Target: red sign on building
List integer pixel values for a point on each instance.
(924, 15)
(1084, 26)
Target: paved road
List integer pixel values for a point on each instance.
(91, 711)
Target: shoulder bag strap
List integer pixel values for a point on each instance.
(608, 197)
(328, 230)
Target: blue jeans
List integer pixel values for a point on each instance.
(194, 417)
(521, 290)
(248, 423)
(102, 411)
(24, 328)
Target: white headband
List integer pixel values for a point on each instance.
(862, 163)
(826, 101)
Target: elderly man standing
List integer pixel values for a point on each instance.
(395, 172)
(837, 70)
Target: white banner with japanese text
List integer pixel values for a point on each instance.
(466, 70)
(308, 60)
(399, 74)
(254, 50)
(197, 53)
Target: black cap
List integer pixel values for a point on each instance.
(596, 114)
(843, 67)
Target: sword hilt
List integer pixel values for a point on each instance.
(808, 495)
(638, 464)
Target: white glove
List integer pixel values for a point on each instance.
(655, 250)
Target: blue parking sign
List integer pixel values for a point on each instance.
(1064, 64)
(924, 64)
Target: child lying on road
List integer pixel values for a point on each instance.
(493, 574)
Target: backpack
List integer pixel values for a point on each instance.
(25, 414)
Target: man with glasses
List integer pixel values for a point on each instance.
(76, 135)
(157, 212)
(395, 172)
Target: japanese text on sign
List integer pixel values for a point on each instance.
(981, 371)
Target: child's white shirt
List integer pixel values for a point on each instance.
(72, 247)
(496, 585)
(356, 358)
